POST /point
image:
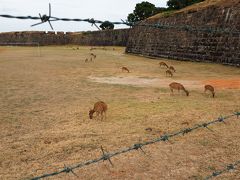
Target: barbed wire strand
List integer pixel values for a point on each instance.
(137, 146)
(228, 168)
(92, 21)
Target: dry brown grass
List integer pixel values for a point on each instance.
(44, 120)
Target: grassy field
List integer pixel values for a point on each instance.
(44, 120)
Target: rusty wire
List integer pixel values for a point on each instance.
(159, 25)
(228, 168)
(137, 146)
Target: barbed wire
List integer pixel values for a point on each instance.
(206, 29)
(138, 146)
(89, 20)
(228, 168)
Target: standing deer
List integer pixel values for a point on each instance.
(178, 86)
(209, 88)
(163, 64)
(100, 107)
(86, 60)
(125, 69)
(172, 68)
(169, 73)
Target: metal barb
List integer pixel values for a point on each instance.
(138, 146)
(165, 137)
(237, 114)
(230, 167)
(106, 156)
(46, 18)
(187, 130)
(68, 170)
(221, 119)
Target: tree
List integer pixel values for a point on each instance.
(179, 4)
(107, 25)
(142, 11)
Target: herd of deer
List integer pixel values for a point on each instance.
(179, 86)
(100, 107)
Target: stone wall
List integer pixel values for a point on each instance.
(116, 37)
(182, 44)
(101, 38)
(43, 38)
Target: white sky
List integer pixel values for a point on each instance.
(112, 10)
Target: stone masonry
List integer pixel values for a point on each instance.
(181, 44)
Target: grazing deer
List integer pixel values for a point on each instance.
(125, 69)
(178, 86)
(172, 68)
(100, 107)
(209, 88)
(163, 64)
(93, 55)
(169, 73)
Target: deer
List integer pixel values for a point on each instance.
(93, 55)
(178, 86)
(86, 60)
(163, 64)
(125, 69)
(209, 88)
(169, 73)
(171, 68)
(100, 107)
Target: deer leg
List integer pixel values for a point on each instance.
(171, 91)
(105, 115)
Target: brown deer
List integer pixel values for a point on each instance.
(169, 73)
(209, 88)
(178, 86)
(86, 60)
(100, 107)
(125, 69)
(171, 68)
(163, 64)
(93, 55)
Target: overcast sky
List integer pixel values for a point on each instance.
(112, 10)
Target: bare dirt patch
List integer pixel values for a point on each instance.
(145, 82)
(224, 83)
